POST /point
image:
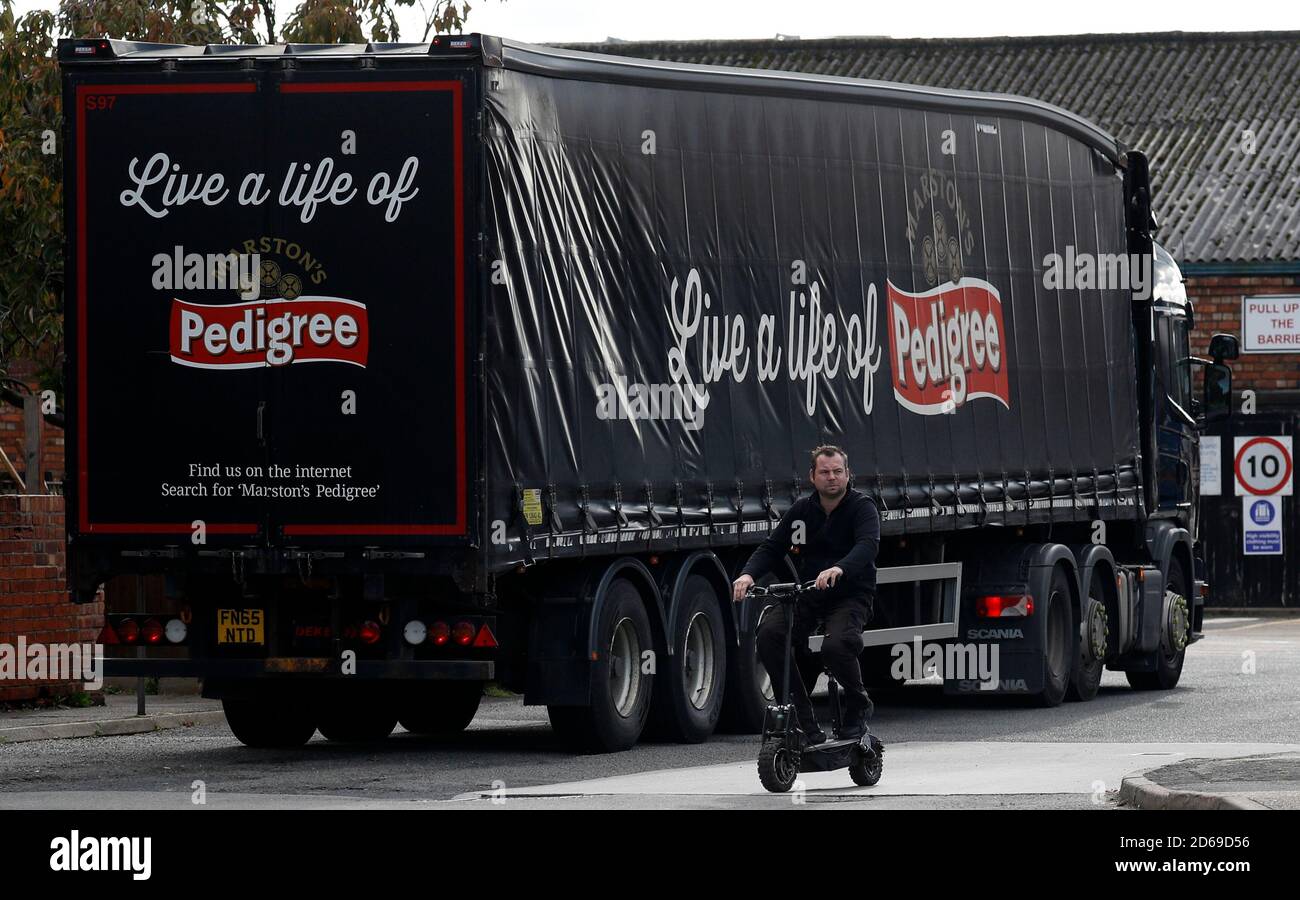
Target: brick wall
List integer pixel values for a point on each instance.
(12, 437)
(33, 593)
(1217, 301)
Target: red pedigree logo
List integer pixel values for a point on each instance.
(269, 333)
(947, 346)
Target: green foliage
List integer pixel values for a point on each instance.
(31, 195)
(31, 151)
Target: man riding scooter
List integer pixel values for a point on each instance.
(835, 535)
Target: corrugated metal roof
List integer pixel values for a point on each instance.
(1187, 100)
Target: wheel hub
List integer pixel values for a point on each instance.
(698, 661)
(624, 667)
(1096, 631)
(761, 675)
(1177, 623)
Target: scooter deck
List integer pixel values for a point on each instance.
(832, 745)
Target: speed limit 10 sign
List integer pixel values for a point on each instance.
(1263, 465)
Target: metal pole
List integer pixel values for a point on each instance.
(32, 443)
(139, 650)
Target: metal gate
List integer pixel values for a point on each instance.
(1236, 579)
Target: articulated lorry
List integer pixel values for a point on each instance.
(413, 367)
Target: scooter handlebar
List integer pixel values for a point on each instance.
(783, 589)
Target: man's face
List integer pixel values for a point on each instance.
(830, 476)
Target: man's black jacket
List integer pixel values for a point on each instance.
(849, 538)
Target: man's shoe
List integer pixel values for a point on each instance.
(812, 732)
(855, 721)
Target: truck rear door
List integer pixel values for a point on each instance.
(267, 313)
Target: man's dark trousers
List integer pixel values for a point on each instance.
(841, 646)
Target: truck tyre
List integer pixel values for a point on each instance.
(1090, 661)
(356, 717)
(749, 688)
(1059, 640)
(266, 723)
(441, 708)
(1169, 664)
(620, 690)
(691, 682)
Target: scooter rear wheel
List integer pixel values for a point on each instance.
(867, 769)
(778, 766)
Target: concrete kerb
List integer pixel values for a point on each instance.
(110, 727)
(1143, 793)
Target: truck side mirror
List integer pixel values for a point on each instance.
(1218, 390)
(1224, 346)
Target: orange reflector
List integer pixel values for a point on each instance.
(485, 638)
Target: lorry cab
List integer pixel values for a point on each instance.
(1177, 461)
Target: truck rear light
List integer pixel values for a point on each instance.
(128, 632)
(370, 632)
(176, 630)
(152, 632)
(439, 634)
(463, 633)
(996, 606)
(415, 632)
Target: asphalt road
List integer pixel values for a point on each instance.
(1238, 687)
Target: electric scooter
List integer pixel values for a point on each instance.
(785, 751)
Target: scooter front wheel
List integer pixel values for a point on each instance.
(778, 766)
(867, 768)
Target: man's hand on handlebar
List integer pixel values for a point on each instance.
(740, 587)
(744, 586)
(828, 577)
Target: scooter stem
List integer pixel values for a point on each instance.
(788, 603)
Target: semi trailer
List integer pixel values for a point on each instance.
(413, 367)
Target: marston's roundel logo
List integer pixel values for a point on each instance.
(938, 227)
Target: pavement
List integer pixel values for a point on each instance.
(1150, 776)
(1266, 781)
(116, 717)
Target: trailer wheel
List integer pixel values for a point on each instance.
(692, 681)
(749, 687)
(620, 689)
(356, 717)
(441, 708)
(267, 723)
(1090, 661)
(1169, 660)
(1059, 641)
